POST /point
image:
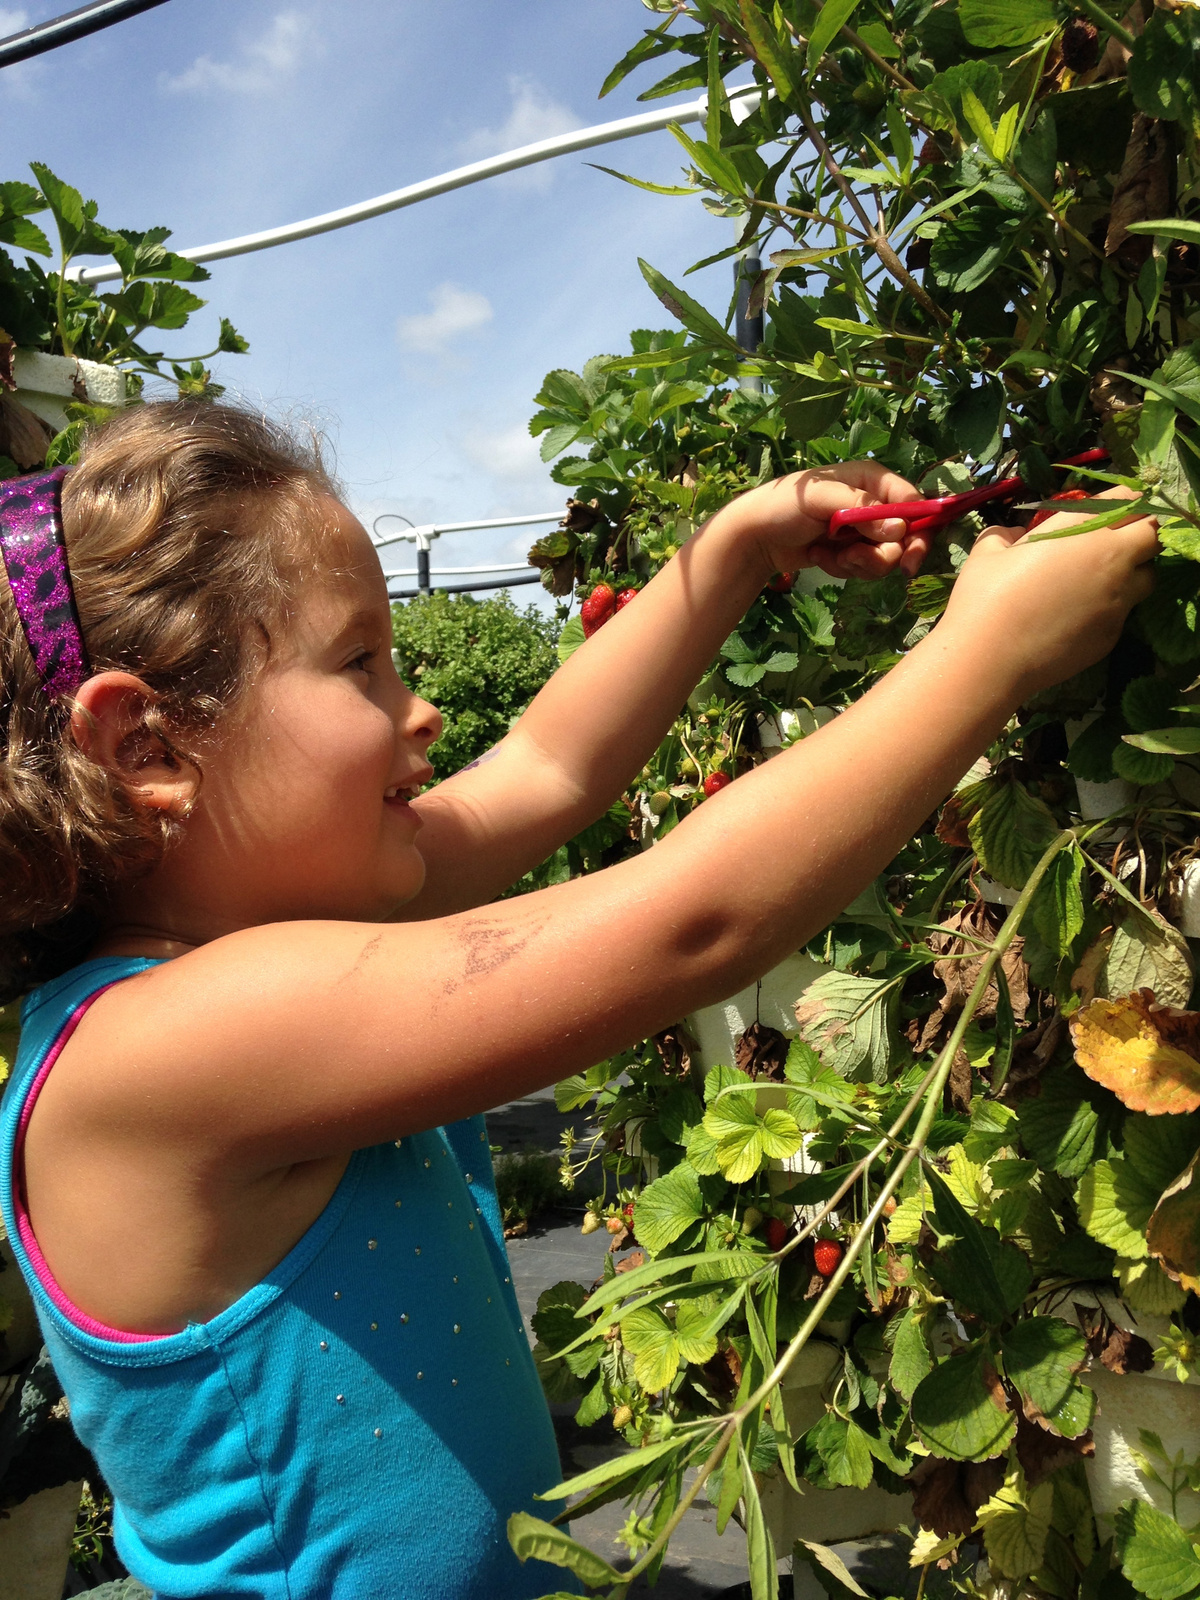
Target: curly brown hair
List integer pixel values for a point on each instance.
(179, 523)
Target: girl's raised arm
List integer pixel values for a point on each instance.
(604, 713)
(298, 1041)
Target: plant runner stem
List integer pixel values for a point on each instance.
(932, 1092)
(877, 239)
(931, 1089)
(1110, 26)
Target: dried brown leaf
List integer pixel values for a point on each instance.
(948, 1494)
(1142, 190)
(1116, 1348)
(1041, 1453)
(23, 435)
(761, 1052)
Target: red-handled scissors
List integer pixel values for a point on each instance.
(924, 516)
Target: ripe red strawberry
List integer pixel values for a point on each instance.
(715, 782)
(826, 1255)
(625, 596)
(1067, 494)
(782, 582)
(777, 1233)
(596, 610)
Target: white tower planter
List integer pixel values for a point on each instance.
(48, 384)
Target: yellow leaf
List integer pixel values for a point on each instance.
(1015, 1523)
(1127, 1045)
(1146, 1287)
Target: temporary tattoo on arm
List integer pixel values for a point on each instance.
(488, 755)
(489, 944)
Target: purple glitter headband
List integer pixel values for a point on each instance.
(35, 558)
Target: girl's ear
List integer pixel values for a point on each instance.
(109, 724)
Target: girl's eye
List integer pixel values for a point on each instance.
(361, 662)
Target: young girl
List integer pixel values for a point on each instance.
(270, 991)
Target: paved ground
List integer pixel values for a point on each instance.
(699, 1566)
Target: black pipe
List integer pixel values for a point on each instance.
(465, 588)
(423, 584)
(748, 329)
(70, 26)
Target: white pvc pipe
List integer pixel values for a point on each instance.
(433, 530)
(459, 572)
(526, 155)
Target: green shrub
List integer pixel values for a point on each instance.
(479, 661)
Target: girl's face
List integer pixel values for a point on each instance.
(304, 808)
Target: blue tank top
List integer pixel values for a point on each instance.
(360, 1425)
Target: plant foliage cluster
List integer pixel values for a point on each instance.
(51, 311)
(479, 661)
(966, 1176)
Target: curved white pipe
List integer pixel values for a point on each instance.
(526, 155)
(460, 572)
(434, 530)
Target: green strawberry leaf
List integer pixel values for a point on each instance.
(1156, 1555)
(535, 1540)
(1041, 1357)
(911, 1361)
(1010, 833)
(989, 1276)
(960, 1410)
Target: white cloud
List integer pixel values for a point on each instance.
(453, 312)
(12, 21)
(510, 454)
(261, 63)
(535, 115)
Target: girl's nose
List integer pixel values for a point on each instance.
(423, 721)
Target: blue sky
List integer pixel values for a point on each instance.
(417, 340)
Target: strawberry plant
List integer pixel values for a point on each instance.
(52, 312)
(965, 1176)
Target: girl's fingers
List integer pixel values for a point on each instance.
(916, 548)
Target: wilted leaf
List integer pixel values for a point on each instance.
(1146, 952)
(1125, 1045)
(1173, 1232)
(847, 1020)
(1040, 1453)
(1143, 186)
(947, 1495)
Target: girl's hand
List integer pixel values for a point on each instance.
(789, 518)
(1053, 607)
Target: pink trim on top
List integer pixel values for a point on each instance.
(98, 1330)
